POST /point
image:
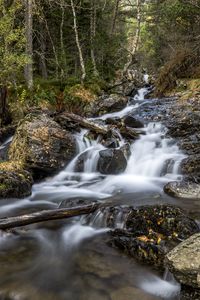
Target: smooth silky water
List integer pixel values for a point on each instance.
(69, 259)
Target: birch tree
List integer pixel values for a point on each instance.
(82, 63)
(136, 37)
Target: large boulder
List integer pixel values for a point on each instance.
(111, 161)
(108, 104)
(150, 232)
(183, 189)
(184, 261)
(42, 145)
(15, 184)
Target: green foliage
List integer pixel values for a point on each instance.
(12, 43)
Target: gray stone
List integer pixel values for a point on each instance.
(187, 190)
(184, 261)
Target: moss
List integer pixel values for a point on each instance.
(2, 186)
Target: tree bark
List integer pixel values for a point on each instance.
(135, 39)
(85, 123)
(78, 42)
(125, 131)
(46, 215)
(115, 16)
(93, 34)
(29, 42)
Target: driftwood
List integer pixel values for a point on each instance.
(46, 215)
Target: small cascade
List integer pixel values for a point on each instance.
(153, 155)
(5, 144)
(140, 96)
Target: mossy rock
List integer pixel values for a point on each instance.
(15, 184)
(42, 145)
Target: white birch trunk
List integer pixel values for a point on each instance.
(78, 43)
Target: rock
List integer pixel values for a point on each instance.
(151, 231)
(108, 104)
(113, 121)
(188, 293)
(183, 189)
(110, 143)
(130, 121)
(184, 261)
(15, 184)
(66, 123)
(79, 165)
(126, 149)
(191, 165)
(111, 161)
(42, 145)
(186, 124)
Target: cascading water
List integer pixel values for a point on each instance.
(154, 160)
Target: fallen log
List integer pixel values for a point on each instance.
(125, 131)
(85, 123)
(47, 215)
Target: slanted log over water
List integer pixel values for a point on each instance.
(46, 215)
(125, 131)
(85, 123)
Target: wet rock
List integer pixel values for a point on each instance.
(152, 231)
(66, 123)
(184, 261)
(110, 143)
(42, 145)
(126, 149)
(79, 166)
(113, 121)
(191, 165)
(111, 161)
(74, 202)
(15, 184)
(108, 104)
(183, 189)
(190, 144)
(188, 293)
(130, 121)
(186, 124)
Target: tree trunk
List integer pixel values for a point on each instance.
(46, 215)
(42, 56)
(135, 39)
(29, 42)
(63, 58)
(115, 17)
(78, 42)
(93, 34)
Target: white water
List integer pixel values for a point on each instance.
(6, 143)
(154, 161)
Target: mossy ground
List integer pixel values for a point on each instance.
(186, 89)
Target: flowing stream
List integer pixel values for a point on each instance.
(70, 259)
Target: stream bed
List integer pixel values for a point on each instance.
(70, 259)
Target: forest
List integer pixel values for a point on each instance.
(99, 149)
